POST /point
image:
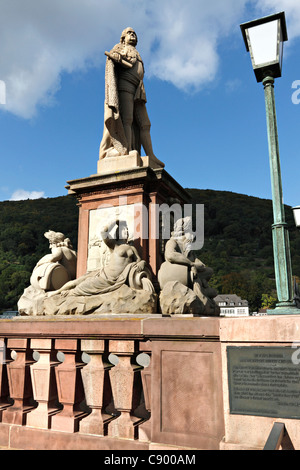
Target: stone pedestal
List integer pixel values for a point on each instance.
(135, 195)
(186, 383)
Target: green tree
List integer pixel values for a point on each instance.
(268, 301)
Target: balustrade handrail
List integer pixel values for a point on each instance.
(94, 396)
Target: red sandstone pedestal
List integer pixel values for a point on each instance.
(136, 195)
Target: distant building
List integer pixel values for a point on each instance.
(232, 305)
(9, 314)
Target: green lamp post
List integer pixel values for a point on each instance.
(264, 40)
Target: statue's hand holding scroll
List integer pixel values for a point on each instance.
(116, 57)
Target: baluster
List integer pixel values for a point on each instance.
(96, 386)
(19, 382)
(69, 387)
(4, 389)
(43, 383)
(126, 388)
(145, 428)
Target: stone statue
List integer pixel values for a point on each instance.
(122, 286)
(55, 269)
(126, 121)
(50, 273)
(183, 278)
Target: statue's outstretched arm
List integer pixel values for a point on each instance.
(105, 233)
(53, 257)
(110, 242)
(117, 57)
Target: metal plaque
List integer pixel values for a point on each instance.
(264, 381)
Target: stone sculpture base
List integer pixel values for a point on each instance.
(122, 300)
(119, 163)
(31, 302)
(177, 299)
(141, 187)
(116, 164)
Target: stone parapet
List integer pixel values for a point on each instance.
(111, 383)
(139, 382)
(135, 194)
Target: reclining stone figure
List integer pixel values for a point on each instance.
(122, 286)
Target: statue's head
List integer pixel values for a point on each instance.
(54, 237)
(182, 227)
(129, 36)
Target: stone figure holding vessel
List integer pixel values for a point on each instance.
(183, 278)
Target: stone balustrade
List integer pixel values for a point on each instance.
(73, 394)
(93, 382)
(132, 382)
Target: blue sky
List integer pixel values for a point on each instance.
(206, 108)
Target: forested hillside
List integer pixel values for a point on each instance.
(22, 241)
(238, 242)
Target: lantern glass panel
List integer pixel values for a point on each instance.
(296, 211)
(263, 40)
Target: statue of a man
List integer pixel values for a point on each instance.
(126, 121)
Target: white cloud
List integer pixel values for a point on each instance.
(21, 194)
(39, 40)
(290, 7)
(188, 34)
